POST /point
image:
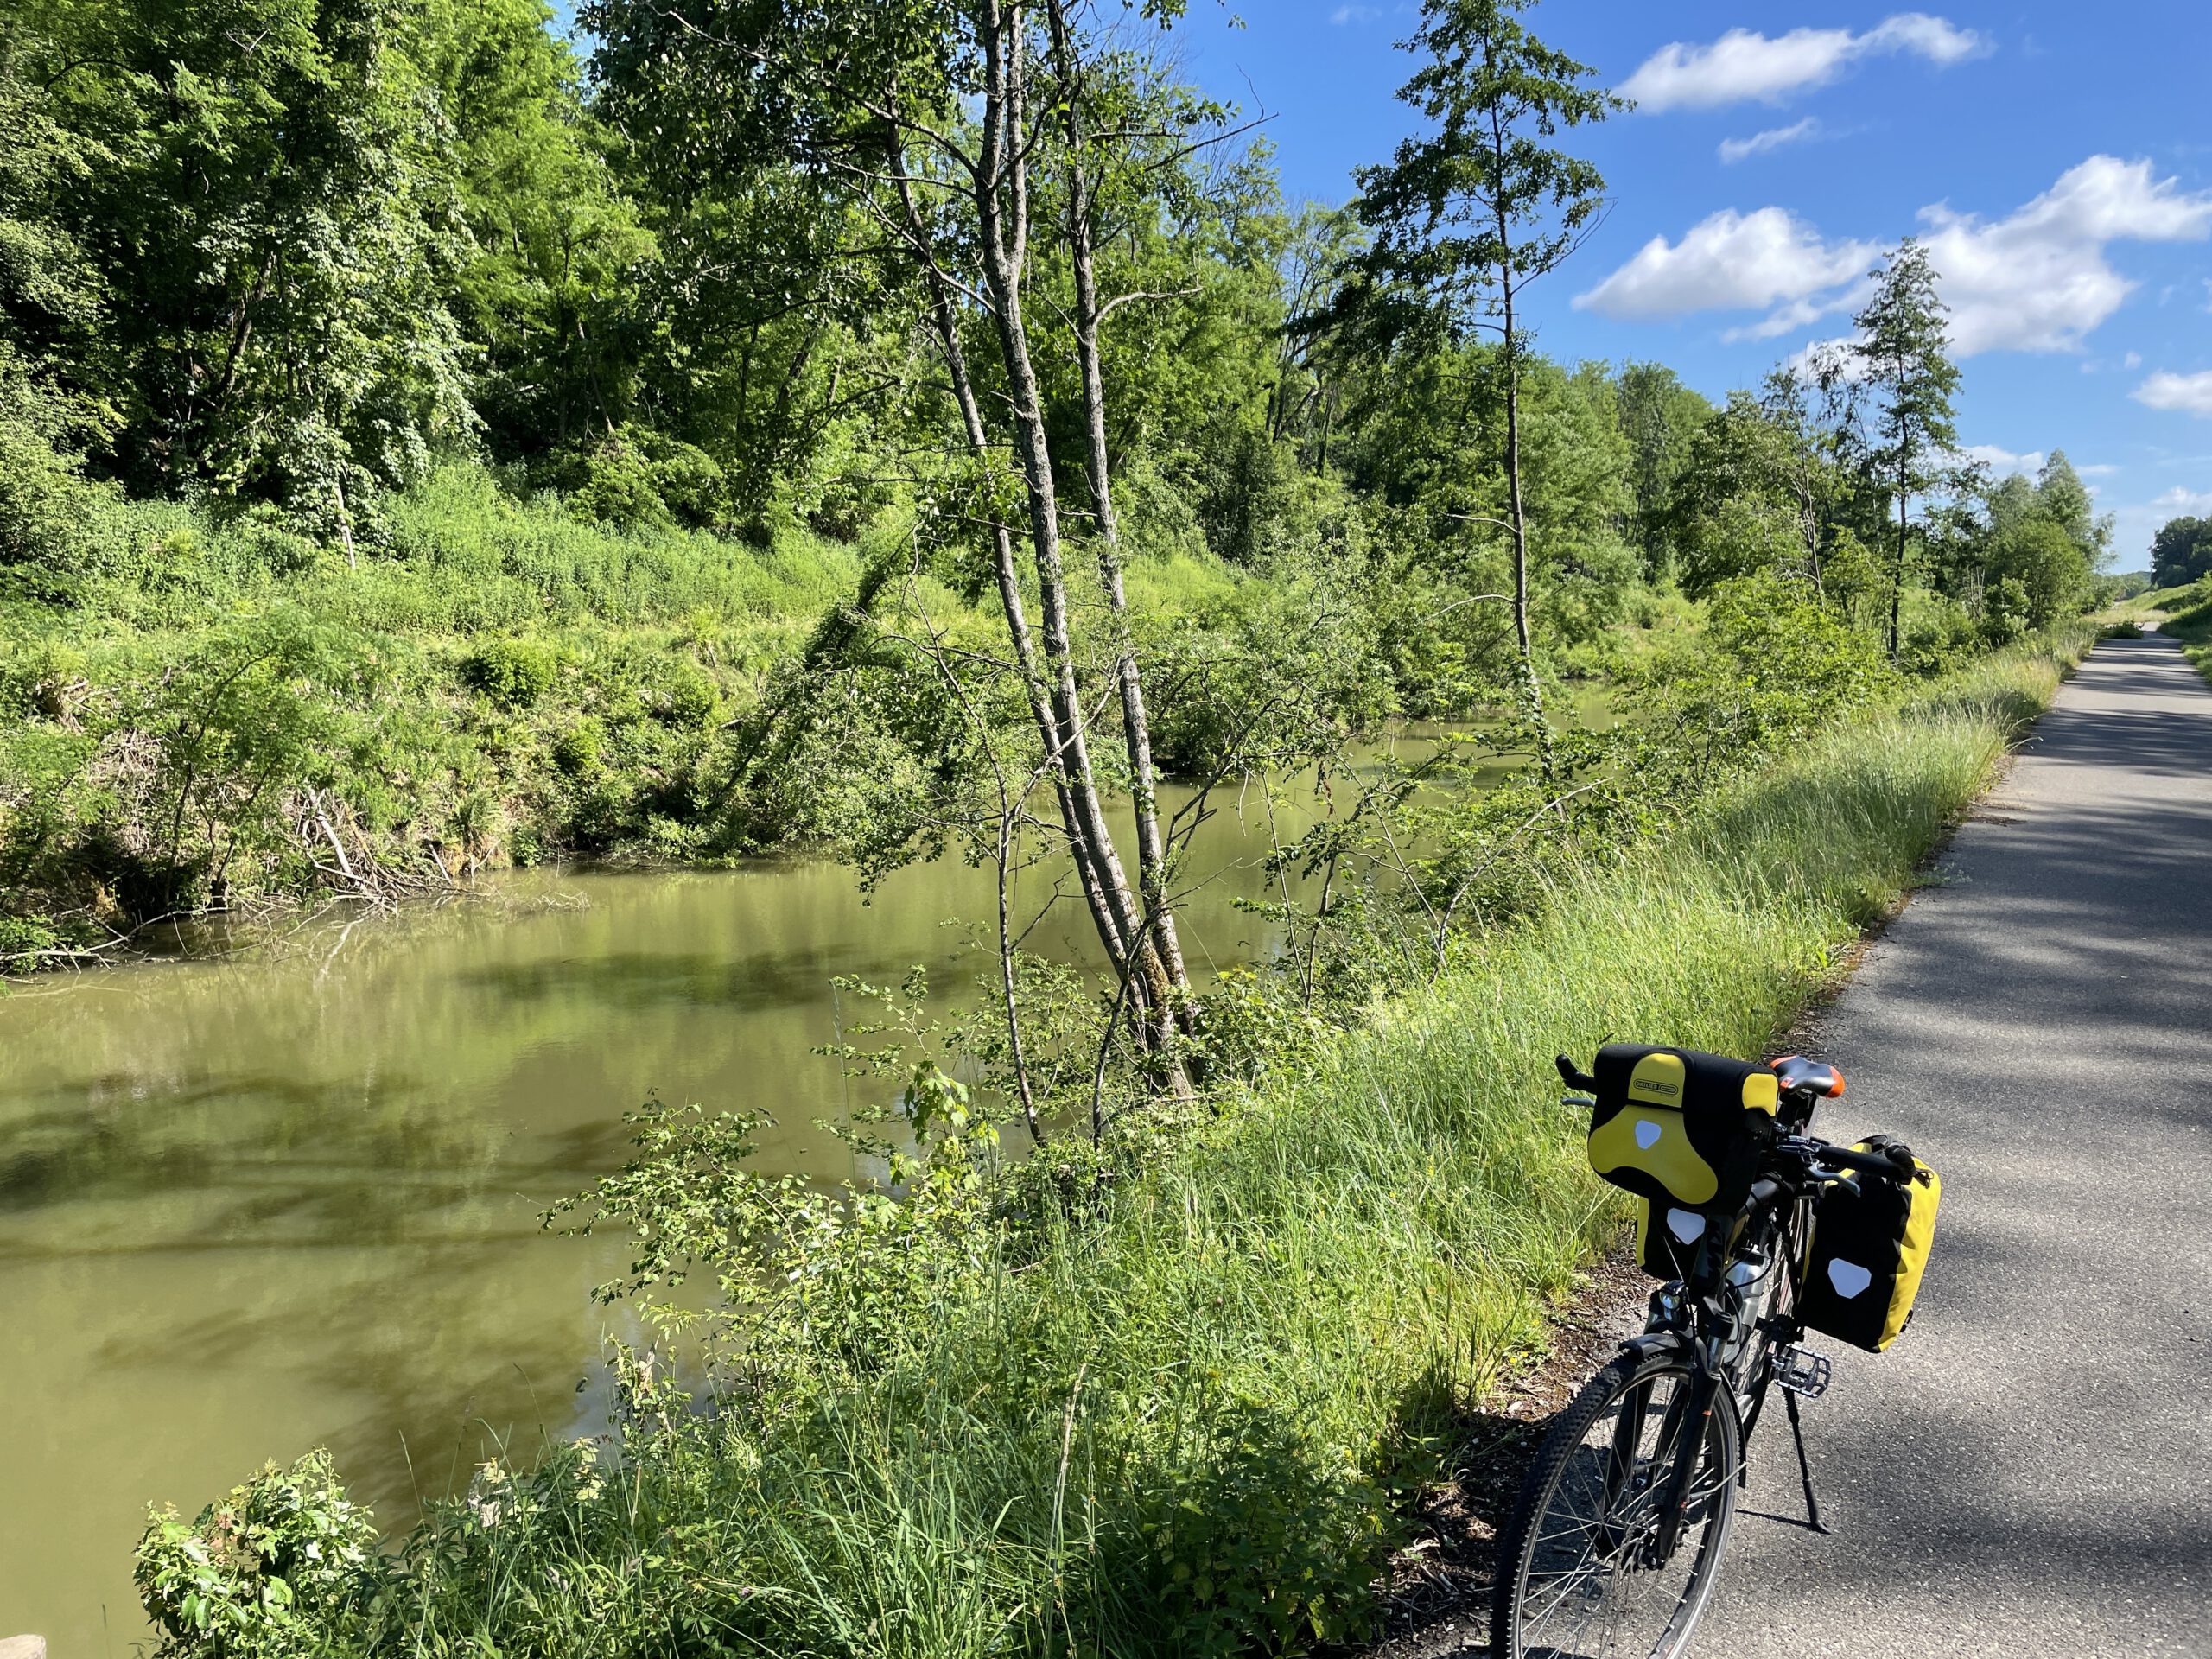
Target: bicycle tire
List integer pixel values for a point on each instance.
(1531, 1593)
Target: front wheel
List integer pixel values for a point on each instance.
(1582, 1569)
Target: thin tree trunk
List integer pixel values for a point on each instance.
(1042, 709)
(1152, 850)
(345, 523)
(1809, 514)
(1004, 225)
(1897, 568)
(1532, 691)
(1007, 986)
(242, 331)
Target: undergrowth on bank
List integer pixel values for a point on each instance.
(2183, 612)
(227, 716)
(1181, 1412)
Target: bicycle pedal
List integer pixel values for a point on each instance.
(1803, 1371)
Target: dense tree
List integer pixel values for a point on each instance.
(1660, 418)
(2181, 552)
(2034, 573)
(557, 244)
(281, 229)
(52, 305)
(2062, 498)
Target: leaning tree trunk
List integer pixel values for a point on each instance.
(1002, 187)
(1044, 709)
(1152, 850)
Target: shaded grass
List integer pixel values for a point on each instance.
(1193, 1423)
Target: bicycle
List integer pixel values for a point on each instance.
(1615, 1546)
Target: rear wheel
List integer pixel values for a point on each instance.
(1579, 1571)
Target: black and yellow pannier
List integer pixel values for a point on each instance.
(1870, 1248)
(1683, 1131)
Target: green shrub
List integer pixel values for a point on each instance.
(640, 480)
(25, 943)
(577, 750)
(271, 1570)
(688, 697)
(512, 673)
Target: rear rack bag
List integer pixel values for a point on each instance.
(1870, 1247)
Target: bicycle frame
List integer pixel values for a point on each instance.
(1708, 1320)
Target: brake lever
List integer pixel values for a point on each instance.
(1578, 1100)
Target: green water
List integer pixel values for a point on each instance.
(289, 1198)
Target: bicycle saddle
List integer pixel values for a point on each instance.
(1795, 1072)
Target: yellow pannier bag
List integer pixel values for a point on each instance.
(1870, 1249)
(1682, 1130)
(1667, 1238)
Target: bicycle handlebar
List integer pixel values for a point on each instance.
(1873, 1163)
(1573, 1074)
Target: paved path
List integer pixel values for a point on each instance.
(2029, 1471)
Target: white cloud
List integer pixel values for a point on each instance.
(2035, 281)
(1744, 64)
(1788, 318)
(2192, 503)
(1735, 149)
(2133, 360)
(2190, 393)
(2038, 281)
(1344, 14)
(2003, 460)
(1728, 262)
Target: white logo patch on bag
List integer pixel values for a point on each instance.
(1848, 1278)
(1686, 1224)
(1647, 1134)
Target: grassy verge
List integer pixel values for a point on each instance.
(1190, 1424)
(2185, 613)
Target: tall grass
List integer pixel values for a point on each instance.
(1189, 1425)
(2186, 614)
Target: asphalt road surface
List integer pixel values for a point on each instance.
(2028, 1471)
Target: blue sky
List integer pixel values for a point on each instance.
(2059, 157)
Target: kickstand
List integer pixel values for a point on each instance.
(1804, 1468)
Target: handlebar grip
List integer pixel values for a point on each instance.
(1573, 1074)
(1873, 1163)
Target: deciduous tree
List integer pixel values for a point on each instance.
(1904, 349)
(1466, 216)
